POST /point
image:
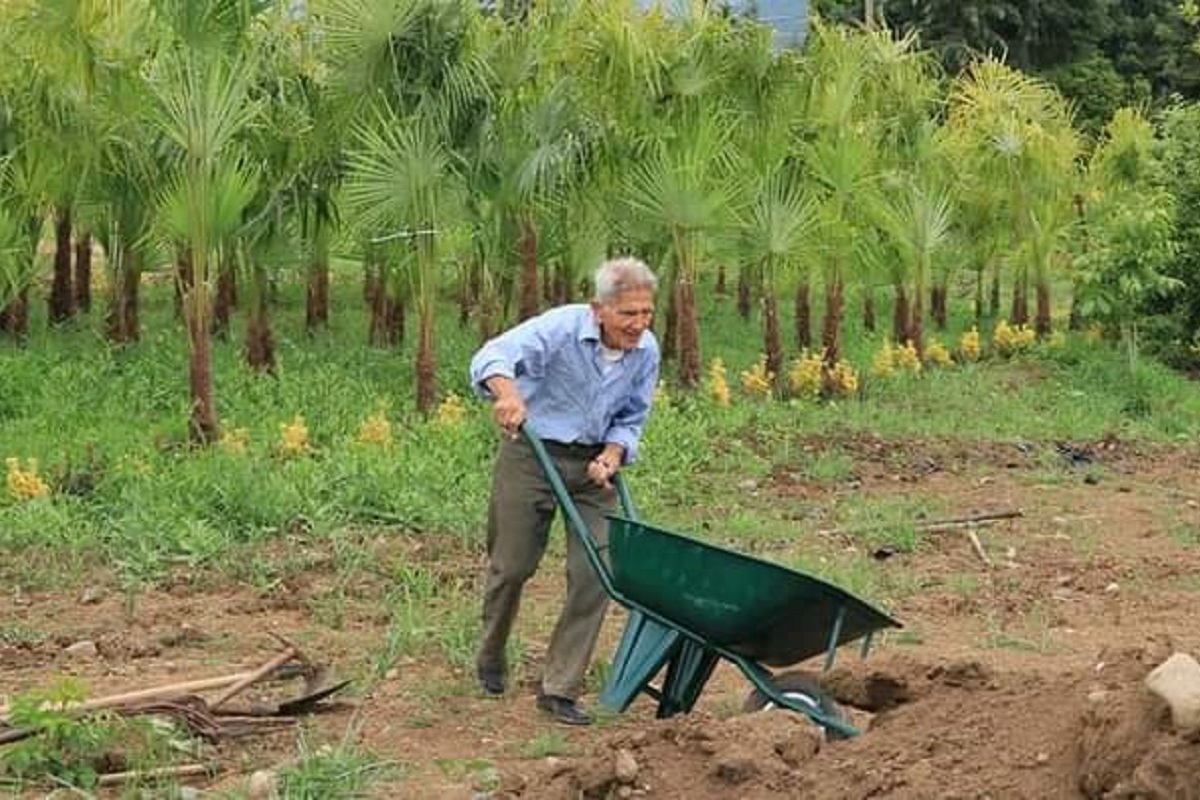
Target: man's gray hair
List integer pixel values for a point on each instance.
(619, 275)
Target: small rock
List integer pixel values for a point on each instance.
(1177, 681)
(625, 766)
(625, 792)
(748, 485)
(1098, 697)
(1042, 758)
(557, 766)
(263, 785)
(1112, 588)
(392, 674)
(91, 595)
(83, 649)
(189, 793)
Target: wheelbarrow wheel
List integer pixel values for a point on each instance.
(802, 687)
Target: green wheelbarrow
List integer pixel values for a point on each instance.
(692, 604)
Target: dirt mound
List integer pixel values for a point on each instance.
(947, 730)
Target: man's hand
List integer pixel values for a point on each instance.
(603, 467)
(508, 409)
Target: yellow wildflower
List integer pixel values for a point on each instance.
(376, 429)
(25, 484)
(451, 410)
(906, 357)
(804, 376)
(936, 353)
(884, 363)
(293, 437)
(718, 384)
(758, 381)
(1010, 339)
(843, 379)
(968, 345)
(235, 441)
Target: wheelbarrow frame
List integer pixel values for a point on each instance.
(651, 641)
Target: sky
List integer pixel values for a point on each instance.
(788, 17)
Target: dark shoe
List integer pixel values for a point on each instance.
(563, 709)
(491, 681)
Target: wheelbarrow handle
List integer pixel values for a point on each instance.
(575, 521)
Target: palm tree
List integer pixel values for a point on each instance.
(682, 187)
(917, 219)
(203, 110)
(1015, 131)
(402, 190)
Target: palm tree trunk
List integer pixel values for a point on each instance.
(121, 321)
(83, 273)
(803, 306)
(259, 344)
(62, 295)
(564, 292)
(720, 289)
(184, 277)
(915, 333)
(203, 428)
(938, 298)
(670, 340)
(528, 305)
(994, 297)
(316, 305)
(375, 291)
(868, 319)
(744, 294)
(689, 335)
(831, 330)
(14, 318)
(226, 294)
(772, 343)
(1041, 323)
(900, 313)
(1020, 301)
(426, 364)
(979, 297)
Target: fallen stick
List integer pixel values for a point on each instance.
(254, 677)
(155, 693)
(181, 771)
(933, 525)
(969, 522)
(977, 546)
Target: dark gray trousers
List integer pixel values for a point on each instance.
(519, 519)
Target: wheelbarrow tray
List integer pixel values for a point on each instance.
(762, 611)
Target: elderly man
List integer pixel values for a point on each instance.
(584, 378)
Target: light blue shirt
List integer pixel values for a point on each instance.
(570, 394)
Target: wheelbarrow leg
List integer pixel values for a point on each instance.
(687, 672)
(645, 646)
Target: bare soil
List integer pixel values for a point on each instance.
(1016, 678)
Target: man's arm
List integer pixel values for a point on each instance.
(625, 432)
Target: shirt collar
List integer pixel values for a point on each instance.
(589, 331)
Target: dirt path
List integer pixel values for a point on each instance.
(1018, 679)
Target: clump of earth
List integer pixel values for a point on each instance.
(930, 730)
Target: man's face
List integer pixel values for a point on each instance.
(625, 318)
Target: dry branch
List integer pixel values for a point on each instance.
(181, 771)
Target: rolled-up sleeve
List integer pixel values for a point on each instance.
(630, 419)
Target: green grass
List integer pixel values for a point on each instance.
(110, 425)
